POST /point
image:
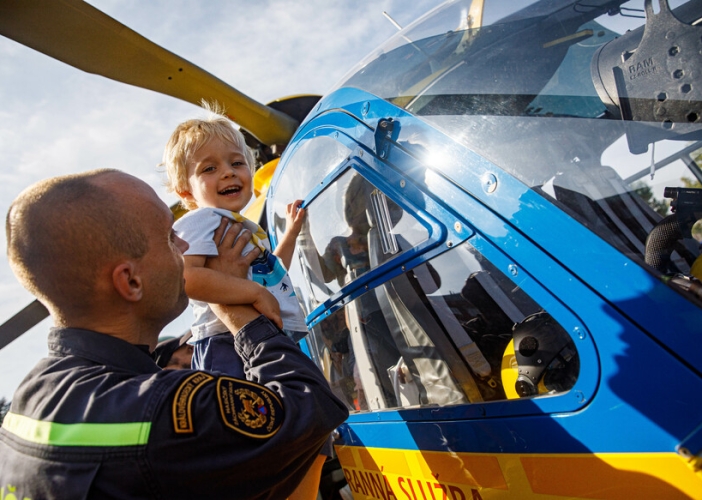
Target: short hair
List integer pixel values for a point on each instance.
(190, 136)
(62, 230)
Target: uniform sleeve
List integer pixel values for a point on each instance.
(254, 438)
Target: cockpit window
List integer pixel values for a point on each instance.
(436, 336)
(344, 225)
(596, 106)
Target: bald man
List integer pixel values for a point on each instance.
(98, 418)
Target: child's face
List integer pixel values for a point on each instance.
(219, 177)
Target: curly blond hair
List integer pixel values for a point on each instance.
(190, 136)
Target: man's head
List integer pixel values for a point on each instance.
(82, 241)
(195, 146)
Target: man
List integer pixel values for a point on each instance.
(98, 418)
(175, 353)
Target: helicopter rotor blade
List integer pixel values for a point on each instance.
(84, 37)
(21, 322)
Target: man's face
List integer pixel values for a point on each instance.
(219, 177)
(180, 359)
(161, 268)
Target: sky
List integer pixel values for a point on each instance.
(56, 120)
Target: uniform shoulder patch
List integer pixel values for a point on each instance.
(249, 408)
(183, 401)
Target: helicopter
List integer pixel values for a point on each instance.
(500, 265)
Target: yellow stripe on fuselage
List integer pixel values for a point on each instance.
(377, 473)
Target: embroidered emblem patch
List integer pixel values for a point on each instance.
(249, 408)
(183, 400)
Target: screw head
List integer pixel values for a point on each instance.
(489, 182)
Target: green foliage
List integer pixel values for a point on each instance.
(694, 183)
(646, 193)
(691, 183)
(4, 408)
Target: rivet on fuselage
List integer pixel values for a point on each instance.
(489, 182)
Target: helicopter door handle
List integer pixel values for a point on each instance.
(385, 133)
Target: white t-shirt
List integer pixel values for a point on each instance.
(197, 227)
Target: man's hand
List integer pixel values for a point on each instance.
(269, 306)
(230, 261)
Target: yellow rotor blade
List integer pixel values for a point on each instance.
(475, 14)
(78, 34)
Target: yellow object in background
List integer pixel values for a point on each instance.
(261, 182)
(262, 177)
(510, 371)
(696, 269)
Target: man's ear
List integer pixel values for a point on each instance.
(127, 281)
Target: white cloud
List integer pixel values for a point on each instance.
(55, 119)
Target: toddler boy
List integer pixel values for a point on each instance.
(210, 168)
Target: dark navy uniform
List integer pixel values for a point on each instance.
(98, 419)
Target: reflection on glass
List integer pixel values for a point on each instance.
(311, 161)
(344, 223)
(595, 109)
(451, 331)
(315, 158)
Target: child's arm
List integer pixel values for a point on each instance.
(294, 217)
(214, 287)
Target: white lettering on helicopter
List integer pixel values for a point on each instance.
(642, 68)
(377, 485)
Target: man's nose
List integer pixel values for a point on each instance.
(181, 244)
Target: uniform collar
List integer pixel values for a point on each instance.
(100, 348)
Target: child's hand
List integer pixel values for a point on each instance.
(294, 217)
(268, 305)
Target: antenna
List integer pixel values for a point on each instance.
(394, 23)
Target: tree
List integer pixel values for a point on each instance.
(694, 183)
(646, 193)
(690, 183)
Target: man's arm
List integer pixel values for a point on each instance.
(253, 438)
(256, 437)
(215, 287)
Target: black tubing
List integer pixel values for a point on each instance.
(660, 242)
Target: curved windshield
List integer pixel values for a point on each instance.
(595, 105)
